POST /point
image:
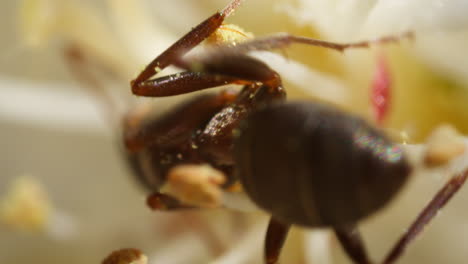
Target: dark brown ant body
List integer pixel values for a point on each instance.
(305, 163)
(330, 168)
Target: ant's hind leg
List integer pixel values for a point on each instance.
(274, 240)
(438, 202)
(351, 241)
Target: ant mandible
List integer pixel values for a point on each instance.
(305, 163)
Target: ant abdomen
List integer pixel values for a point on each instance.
(313, 165)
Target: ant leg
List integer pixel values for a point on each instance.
(352, 243)
(245, 69)
(211, 72)
(180, 83)
(162, 202)
(230, 61)
(185, 44)
(262, 86)
(274, 240)
(173, 126)
(284, 40)
(440, 199)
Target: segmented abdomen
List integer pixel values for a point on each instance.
(313, 165)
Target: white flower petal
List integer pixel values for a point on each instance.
(445, 52)
(309, 82)
(143, 36)
(390, 16)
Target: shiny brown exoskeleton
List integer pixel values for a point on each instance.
(330, 168)
(207, 129)
(305, 163)
(310, 164)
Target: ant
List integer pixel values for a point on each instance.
(306, 163)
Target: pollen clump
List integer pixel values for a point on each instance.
(229, 34)
(198, 185)
(444, 144)
(25, 206)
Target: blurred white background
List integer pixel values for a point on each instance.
(53, 131)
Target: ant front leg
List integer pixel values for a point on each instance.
(180, 83)
(141, 85)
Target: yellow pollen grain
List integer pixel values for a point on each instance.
(229, 34)
(25, 206)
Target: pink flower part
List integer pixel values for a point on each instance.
(380, 89)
